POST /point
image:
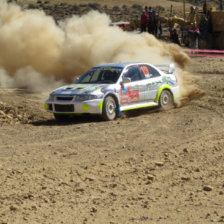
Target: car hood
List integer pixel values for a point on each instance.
(77, 89)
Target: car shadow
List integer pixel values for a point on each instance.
(142, 111)
(81, 119)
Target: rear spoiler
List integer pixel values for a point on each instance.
(168, 69)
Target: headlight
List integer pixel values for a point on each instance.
(85, 97)
(51, 97)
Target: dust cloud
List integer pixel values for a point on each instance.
(39, 55)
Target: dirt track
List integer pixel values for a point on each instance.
(151, 167)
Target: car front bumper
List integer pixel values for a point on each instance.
(74, 107)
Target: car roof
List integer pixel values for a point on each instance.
(118, 65)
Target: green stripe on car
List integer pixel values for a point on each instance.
(160, 91)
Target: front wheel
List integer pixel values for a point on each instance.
(109, 109)
(166, 100)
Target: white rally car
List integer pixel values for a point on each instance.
(109, 89)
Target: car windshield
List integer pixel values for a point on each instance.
(100, 75)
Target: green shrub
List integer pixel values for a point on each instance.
(94, 5)
(31, 6)
(116, 8)
(75, 7)
(137, 6)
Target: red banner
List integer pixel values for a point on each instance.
(204, 53)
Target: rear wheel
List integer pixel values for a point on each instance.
(166, 100)
(109, 109)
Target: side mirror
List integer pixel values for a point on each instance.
(126, 80)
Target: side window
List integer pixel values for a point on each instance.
(148, 71)
(95, 76)
(133, 73)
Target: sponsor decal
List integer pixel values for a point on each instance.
(168, 80)
(145, 71)
(105, 90)
(150, 85)
(165, 80)
(129, 95)
(124, 91)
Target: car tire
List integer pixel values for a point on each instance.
(166, 101)
(109, 109)
(61, 117)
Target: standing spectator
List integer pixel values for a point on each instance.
(143, 21)
(174, 37)
(149, 20)
(203, 27)
(194, 33)
(192, 16)
(160, 27)
(146, 9)
(155, 23)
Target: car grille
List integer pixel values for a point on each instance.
(64, 98)
(64, 108)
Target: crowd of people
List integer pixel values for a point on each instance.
(197, 29)
(150, 21)
(198, 26)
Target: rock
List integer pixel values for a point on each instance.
(159, 163)
(34, 207)
(150, 177)
(13, 208)
(144, 218)
(207, 188)
(94, 210)
(185, 178)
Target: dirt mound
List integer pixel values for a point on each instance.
(10, 115)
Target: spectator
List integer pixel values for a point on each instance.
(203, 27)
(155, 23)
(174, 37)
(160, 27)
(194, 33)
(192, 17)
(143, 21)
(149, 20)
(146, 9)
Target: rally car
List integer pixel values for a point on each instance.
(110, 89)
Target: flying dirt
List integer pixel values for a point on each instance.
(37, 54)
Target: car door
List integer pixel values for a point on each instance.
(133, 91)
(153, 81)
